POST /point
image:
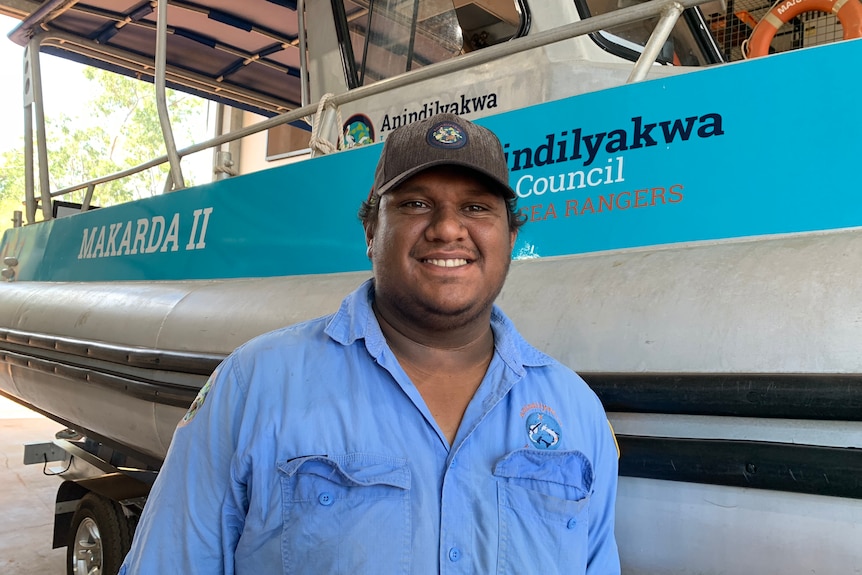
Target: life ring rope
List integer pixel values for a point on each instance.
(838, 5)
(849, 13)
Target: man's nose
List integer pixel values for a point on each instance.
(447, 224)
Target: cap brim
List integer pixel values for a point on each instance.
(507, 192)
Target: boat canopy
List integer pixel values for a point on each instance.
(248, 54)
(242, 53)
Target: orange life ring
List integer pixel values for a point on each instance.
(849, 13)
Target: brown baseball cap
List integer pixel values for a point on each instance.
(441, 140)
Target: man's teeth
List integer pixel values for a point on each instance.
(448, 263)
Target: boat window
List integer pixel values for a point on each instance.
(385, 38)
(688, 45)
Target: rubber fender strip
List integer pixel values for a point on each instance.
(812, 396)
(814, 470)
(166, 394)
(196, 363)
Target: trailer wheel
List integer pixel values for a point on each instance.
(99, 537)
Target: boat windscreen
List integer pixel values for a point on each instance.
(384, 38)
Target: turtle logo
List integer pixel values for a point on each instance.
(543, 430)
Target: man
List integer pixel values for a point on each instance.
(413, 431)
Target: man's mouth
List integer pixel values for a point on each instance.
(447, 263)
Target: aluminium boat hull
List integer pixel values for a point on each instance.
(705, 309)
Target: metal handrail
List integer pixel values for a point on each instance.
(667, 10)
(33, 107)
(669, 15)
(161, 56)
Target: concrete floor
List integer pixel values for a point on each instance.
(26, 496)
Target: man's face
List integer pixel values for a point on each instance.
(441, 248)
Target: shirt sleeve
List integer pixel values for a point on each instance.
(191, 522)
(603, 553)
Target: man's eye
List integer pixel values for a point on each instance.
(475, 208)
(413, 204)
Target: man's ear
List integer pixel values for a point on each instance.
(369, 240)
(513, 235)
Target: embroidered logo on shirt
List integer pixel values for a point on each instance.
(543, 429)
(199, 400)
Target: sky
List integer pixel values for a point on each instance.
(63, 83)
(66, 90)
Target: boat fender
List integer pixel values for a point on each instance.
(849, 13)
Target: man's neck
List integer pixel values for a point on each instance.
(446, 374)
(441, 352)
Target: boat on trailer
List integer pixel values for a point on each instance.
(693, 244)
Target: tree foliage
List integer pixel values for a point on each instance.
(120, 130)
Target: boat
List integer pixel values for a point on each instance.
(693, 243)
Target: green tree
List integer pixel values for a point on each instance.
(121, 130)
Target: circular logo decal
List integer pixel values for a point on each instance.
(543, 430)
(447, 135)
(358, 131)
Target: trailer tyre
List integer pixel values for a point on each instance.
(99, 537)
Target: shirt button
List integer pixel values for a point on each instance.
(452, 464)
(325, 498)
(572, 523)
(454, 554)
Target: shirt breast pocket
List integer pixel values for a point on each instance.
(346, 514)
(543, 499)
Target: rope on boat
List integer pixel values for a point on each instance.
(319, 144)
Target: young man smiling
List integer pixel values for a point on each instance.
(414, 430)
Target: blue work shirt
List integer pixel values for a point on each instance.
(309, 450)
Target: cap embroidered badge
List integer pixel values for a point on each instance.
(447, 135)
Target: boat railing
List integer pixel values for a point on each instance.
(667, 12)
